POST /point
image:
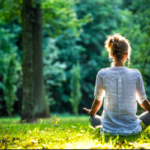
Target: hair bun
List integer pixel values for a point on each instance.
(115, 40)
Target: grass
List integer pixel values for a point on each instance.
(64, 132)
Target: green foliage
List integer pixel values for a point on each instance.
(135, 26)
(60, 22)
(71, 132)
(10, 10)
(53, 70)
(59, 17)
(10, 79)
(75, 88)
(9, 69)
(103, 20)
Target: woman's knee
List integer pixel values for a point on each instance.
(145, 118)
(95, 120)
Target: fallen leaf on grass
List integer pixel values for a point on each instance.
(29, 143)
(6, 136)
(1, 146)
(15, 139)
(69, 130)
(4, 140)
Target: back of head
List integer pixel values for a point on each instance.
(118, 46)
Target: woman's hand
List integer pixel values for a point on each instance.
(88, 111)
(95, 107)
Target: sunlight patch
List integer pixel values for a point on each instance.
(87, 145)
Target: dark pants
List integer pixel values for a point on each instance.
(145, 117)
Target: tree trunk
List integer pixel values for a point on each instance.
(34, 104)
(41, 108)
(27, 63)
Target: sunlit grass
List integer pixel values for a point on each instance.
(67, 132)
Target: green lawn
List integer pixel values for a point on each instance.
(71, 132)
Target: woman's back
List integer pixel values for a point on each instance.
(121, 86)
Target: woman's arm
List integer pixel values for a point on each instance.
(146, 105)
(99, 94)
(95, 107)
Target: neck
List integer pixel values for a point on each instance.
(119, 64)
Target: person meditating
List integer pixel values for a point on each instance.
(120, 87)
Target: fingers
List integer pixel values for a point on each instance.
(85, 109)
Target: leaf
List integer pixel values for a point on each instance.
(1, 146)
(15, 139)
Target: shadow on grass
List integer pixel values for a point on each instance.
(121, 141)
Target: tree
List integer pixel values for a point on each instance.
(34, 104)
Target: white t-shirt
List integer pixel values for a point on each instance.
(120, 87)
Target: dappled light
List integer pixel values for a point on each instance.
(70, 132)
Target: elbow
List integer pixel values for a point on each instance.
(145, 105)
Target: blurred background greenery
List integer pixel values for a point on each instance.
(73, 36)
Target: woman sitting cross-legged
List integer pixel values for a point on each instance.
(120, 87)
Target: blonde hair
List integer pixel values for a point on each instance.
(118, 46)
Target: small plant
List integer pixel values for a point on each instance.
(75, 88)
(55, 122)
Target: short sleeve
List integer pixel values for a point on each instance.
(140, 91)
(99, 90)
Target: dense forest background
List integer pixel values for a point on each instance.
(73, 36)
